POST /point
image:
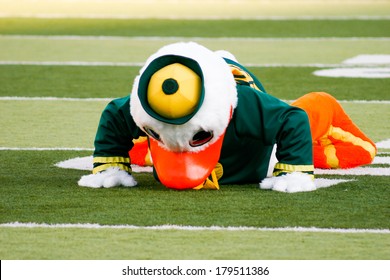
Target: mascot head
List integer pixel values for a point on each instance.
(183, 100)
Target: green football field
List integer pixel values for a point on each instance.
(60, 66)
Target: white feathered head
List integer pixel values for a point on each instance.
(183, 99)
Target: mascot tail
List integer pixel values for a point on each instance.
(337, 141)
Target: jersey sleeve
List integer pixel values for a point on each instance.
(114, 136)
(264, 117)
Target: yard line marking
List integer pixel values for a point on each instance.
(385, 144)
(45, 149)
(381, 160)
(193, 228)
(140, 64)
(360, 72)
(367, 59)
(77, 63)
(366, 101)
(50, 98)
(85, 163)
(360, 171)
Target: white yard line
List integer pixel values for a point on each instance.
(181, 38)
(193, 228)
(381, 159)
(140, 64)
(357, 171)
(77, 63)
(44, 149)
(384, 144)
(49, 98)
(86, 163)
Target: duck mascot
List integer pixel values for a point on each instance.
(202, 120)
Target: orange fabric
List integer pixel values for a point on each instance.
(320, 109)
(185, 170)
(337, 141)
(319, 157)
(140, 154)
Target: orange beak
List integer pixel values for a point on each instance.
(184, 170)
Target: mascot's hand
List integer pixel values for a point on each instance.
(292, 182)
(111, 177)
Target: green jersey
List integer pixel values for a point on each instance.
(258, 123)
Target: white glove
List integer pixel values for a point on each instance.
(111, 177)
(291, 182)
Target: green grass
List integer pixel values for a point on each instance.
(66, 81)
(196, 28)
(96, 82)
(52, 196)
(137, 50)
(287, 83)
(32, 189)
(123, 244)
(26, 122)
(44, 193)
(196, 9)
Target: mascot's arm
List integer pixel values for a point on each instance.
(274, 121)
(111, 162)
(294, 171)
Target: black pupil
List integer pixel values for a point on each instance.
(170, 86)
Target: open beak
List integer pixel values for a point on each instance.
(184, 170)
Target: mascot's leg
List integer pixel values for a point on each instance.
(140, 153)
(337, 141)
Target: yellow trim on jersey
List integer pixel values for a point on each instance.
(103, 167)
(111, 159)
(292, 167)
(289, 168)
(241, 75)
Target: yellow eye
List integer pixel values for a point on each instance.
(174, 91)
